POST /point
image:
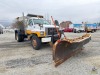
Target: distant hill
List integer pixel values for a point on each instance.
(2, 26)
(6, 24)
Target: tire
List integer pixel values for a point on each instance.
(92, 31)
(78, 31)
(36, 42)
(16, 36)
(74, 31)
(19, 37)
(87, 31)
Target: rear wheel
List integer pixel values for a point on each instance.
(92, 31)
(16, 36)
(36, 42)
(78, 31)
(19, 37)
(87, 31)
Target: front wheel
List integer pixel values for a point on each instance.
(36, 42)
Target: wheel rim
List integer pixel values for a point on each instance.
(34, 42)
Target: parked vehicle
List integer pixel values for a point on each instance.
(78, 28)
(91, 28)
(1, 30)
(69, 29)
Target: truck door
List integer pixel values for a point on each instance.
(36, 24)
(29, 27)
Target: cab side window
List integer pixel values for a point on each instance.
(30, 22)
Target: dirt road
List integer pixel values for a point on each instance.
(21, 59)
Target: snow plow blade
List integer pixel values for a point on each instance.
(65, 48)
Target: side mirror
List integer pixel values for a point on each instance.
(56, 22)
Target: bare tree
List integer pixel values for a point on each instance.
(19, 25)
(65, 24)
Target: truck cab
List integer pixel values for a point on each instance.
(91, 27)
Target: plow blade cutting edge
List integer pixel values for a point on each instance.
(65, 48)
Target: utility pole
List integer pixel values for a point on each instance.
(23, 20)
(23, 17)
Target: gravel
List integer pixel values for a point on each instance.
(21, 59)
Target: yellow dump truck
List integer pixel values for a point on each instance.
(37, 29)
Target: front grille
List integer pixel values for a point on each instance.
(51, 31)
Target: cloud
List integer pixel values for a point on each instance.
(74, 10)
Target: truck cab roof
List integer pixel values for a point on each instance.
(33, 15)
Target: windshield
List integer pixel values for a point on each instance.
(40, 21)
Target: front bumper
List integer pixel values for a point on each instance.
(50, 38)
(46, 39)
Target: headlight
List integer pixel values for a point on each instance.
(41, 33)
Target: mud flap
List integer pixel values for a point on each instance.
(65, 48)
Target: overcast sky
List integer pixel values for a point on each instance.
(62, 10)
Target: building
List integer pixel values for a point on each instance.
(65, 24)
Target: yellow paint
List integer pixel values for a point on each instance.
(28, 31)
(35, 32)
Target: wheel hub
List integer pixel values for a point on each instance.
(34, 43)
